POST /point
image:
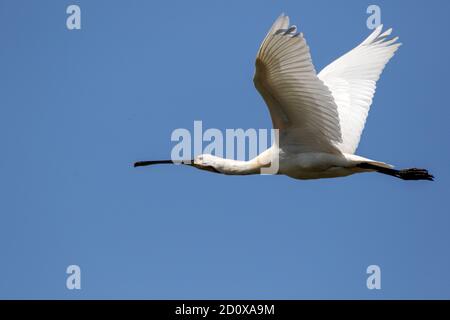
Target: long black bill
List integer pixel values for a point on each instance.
(189, 163)
(149, 163)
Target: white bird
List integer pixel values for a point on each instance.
(320, 117)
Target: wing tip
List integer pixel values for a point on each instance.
(381, 38)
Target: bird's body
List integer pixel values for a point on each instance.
(319, 117)
(298, 165)
(314, 165)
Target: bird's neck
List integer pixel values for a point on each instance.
(253, 166)
(236, 167)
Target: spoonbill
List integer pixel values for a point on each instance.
(319, 117)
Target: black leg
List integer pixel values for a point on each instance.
(405, 174)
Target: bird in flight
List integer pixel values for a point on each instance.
(319, 117)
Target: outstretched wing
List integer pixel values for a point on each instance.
(352, 80)
(300, 105)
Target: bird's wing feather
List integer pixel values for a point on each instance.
(352, 81)
(300, 105)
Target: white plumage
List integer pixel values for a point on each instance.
(324, 111)
(320, 117)
(352, 81)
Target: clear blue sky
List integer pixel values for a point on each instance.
(79, 107)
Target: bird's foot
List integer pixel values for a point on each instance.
(414, 174)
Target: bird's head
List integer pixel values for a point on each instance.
(207, 162)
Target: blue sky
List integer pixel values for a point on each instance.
(79, 107)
